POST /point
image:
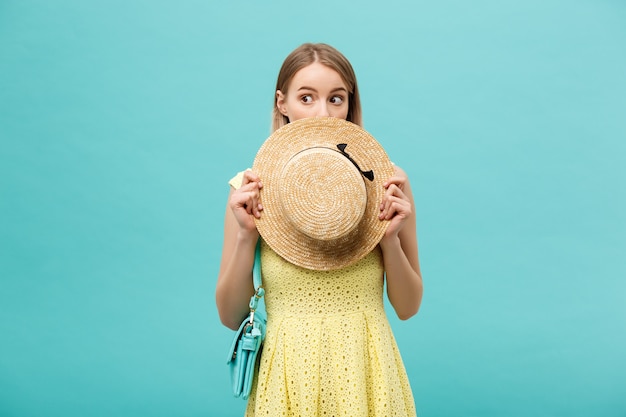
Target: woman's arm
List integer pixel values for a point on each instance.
(234, 283)
(399, 246)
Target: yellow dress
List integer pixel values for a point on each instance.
(329, 349)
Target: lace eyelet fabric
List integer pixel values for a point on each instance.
(329, 349)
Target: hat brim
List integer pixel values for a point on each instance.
(275, 229)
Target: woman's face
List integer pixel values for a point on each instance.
(315, 91)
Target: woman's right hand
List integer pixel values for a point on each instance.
(245, 201)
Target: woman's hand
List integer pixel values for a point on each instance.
(396, 206)
(244, 202)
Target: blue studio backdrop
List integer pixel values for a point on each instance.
(122, 121)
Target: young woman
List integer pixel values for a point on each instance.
(340, 359)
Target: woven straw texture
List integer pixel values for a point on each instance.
(319, 210)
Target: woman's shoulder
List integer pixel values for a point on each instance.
(236, 181)
(398, 171)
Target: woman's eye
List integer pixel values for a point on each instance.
(306, 99)
(336, 100)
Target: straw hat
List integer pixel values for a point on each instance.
(322, 189)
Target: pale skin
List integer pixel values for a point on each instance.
(317, 91)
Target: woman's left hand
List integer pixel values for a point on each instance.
(396, 206)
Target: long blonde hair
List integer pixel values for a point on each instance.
(307, 54)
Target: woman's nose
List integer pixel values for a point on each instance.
(323, 110)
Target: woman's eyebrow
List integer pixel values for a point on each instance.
(304, 87)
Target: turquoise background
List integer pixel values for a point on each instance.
(122, 121)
